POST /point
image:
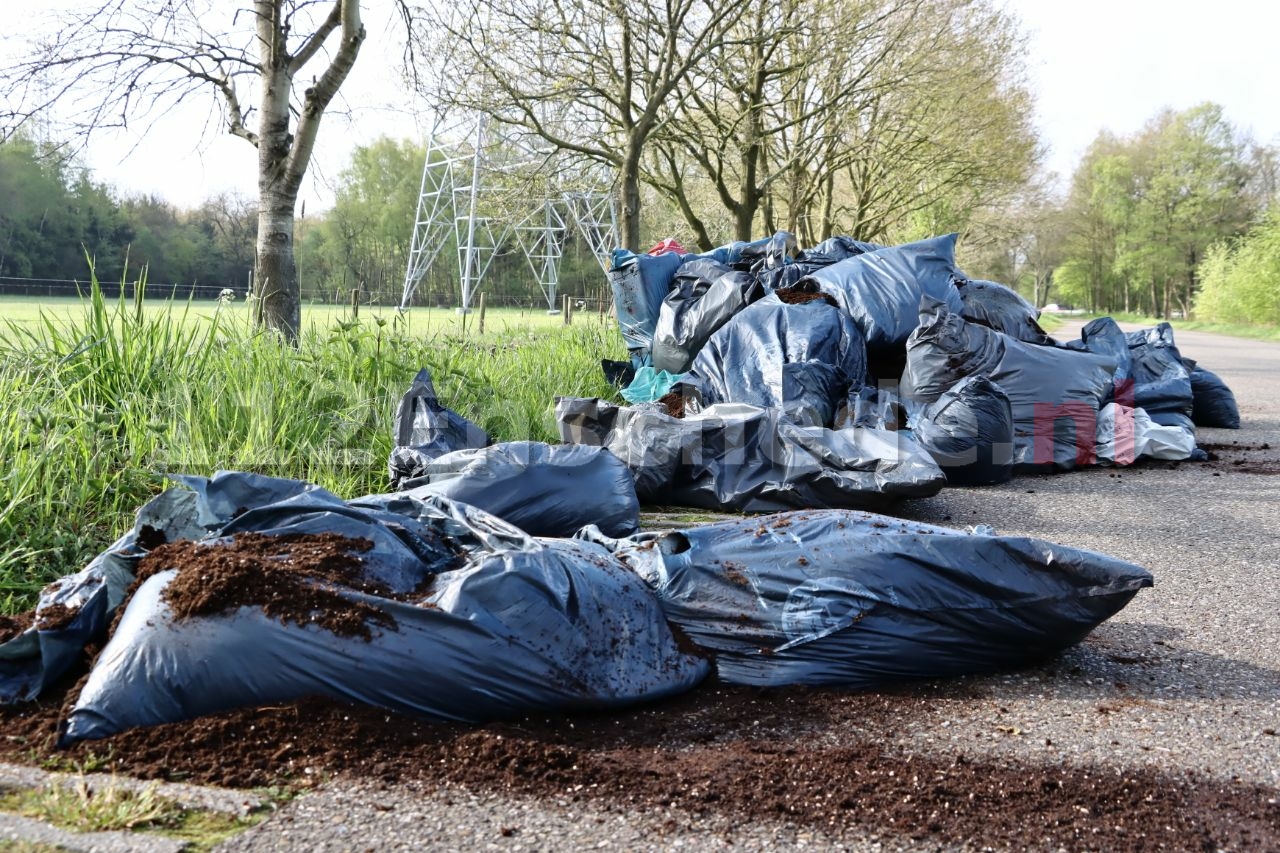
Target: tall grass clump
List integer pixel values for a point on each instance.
(100, 406)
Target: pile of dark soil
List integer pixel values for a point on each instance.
(792, 296)
(292, 577)
(674, 401)
(808, 756)
(1242, 458)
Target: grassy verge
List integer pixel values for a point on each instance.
(107, 807)
(101, 404)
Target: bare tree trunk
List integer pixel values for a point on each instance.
(629, 214)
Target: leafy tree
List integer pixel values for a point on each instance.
(1144, 210)
(878, 118)
(593, 80)
(126, 60)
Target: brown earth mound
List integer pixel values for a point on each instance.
(674, 401)
(792, 296)
(808, 756)
(292, 577)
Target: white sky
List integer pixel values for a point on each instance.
(1093, 64)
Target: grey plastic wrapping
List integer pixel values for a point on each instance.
(837, 597)
(802, 359)
(516, 625)
(424, 429)
(704, 296)
(544, 490)
(1055, 393)
(1126, 434)
(744, 458)
(1149, 374)
(1003, 309)
(969, 432)
(881, 290)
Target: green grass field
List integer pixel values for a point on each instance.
(25, 310)
(102, 402)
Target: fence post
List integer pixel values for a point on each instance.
(355, 303)
(480, 324)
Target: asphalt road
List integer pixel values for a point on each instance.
(1198, 657)
(1187, 677)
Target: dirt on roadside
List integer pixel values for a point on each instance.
(751, 753)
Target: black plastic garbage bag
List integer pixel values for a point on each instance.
(836, 597)
(705, 295)
(801, 358)
(881, 290)
(510, 625)
(1149, 373)
(1213, 404)
(544, 490)
(837, 248)
(1161, 382)
(992, 304)
(424, 429)
(744, 458)
(1055, 393)
(969, 432)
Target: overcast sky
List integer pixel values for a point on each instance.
(1093, 65)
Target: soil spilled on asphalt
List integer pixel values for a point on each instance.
(807, 756)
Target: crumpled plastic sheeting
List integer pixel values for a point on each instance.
(1055, 393)
(1003, 309)
(837, 597)
(881, 290)
(640, 283)
(1126, 434)
(802, 359)
(523, 626)
(1149, 374)
(648, 385)
(544, 490)
(424, 429)
(969, 432)
(744, 458)
(704, 296)
(1213, 403)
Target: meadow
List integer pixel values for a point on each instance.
(104, 397)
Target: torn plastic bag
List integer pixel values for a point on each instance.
(640, 283)
(1003, 309)
(1055, 393)
(1212, 403)
(881, 290)
(969, 432)
(705, 295)
(544, 490)
(803, 359)
(1126, 434)
(511, 625)
(835, 597)
(424, 429)
(744, 458)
